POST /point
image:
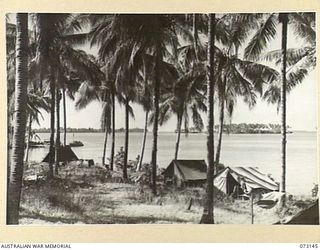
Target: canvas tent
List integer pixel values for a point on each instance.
(241, 179)
(65, 153)
(186, 172)
(309, 216)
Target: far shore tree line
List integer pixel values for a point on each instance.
(232, 128)
(173, 65)
(87, 130)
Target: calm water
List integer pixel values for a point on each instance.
(256, 150)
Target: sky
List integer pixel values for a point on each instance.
(301, 105)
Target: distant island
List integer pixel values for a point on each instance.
(252, 128)
(241, 128)
(88, 130)
(245, 128)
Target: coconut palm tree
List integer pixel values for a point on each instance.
(36, 102)
(238, 78)
(186, 97)
(89, 93)
(207, 216)
(118, 73)
(64, 115)
(106, 123)
(113, 126)
(125, 83)
(20, 119)
(300, 61)
(48, 26)
(143, 34)
(156, 31)
(59, 61)
(283, 19)
(145, 99)
(303, 60)
(169, 75)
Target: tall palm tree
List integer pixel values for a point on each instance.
(238, 78)
(48, 25)
(36, 102)
(157, 31)
(283, 19)
(118, 72)
(57, 143)
(89, 93)
(64, 115)
(185, 98)
(58, 61)
(126, 87)
(17, 155)
(106, 122)
(145, 99)
(207, 216)
(52, 120)
(300, 60)
(113, 126)
(143, 34)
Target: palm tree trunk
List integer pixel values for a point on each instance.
(20, 120)
(64, 116)
(105, 141)
(40, 76)
(156, 95)
(195, 35)
(283, 17)
(57, 147)
(221, 120)
(126, 142)
(143, 142)
(43, 46)
(207, 216)
(113, 124)
(29, 139)
(178, 136)
(52, 107)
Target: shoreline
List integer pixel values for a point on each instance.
(172, 132)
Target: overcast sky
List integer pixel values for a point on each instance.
(301, 106)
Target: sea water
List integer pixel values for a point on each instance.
(254, 150)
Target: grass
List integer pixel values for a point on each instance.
(83, 195)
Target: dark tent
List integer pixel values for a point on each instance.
(186, 172)
(309, 216)
(240, 179)
(65, 153)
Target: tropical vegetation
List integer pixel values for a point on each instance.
(178, 65)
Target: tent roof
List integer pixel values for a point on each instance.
(252, 177)
(65, 154)
(309, 216)
(189, 169)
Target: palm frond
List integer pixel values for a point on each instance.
(258, 43)
(304, 26)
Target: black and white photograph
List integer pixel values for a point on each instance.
(161, 118)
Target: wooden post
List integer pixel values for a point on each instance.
(251, 206)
